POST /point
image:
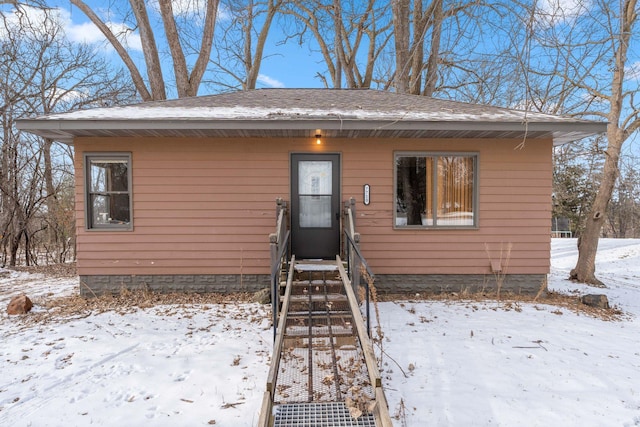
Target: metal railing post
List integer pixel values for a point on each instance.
(275, 303)
(355, 261)
(279, 248)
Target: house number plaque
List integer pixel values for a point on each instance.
(367, 194)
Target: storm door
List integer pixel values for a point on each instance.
(315, 205)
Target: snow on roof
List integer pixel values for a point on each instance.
(346, 113)
(290, 104)
(134, 112)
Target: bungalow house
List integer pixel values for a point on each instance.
(180, 195)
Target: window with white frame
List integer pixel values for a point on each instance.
(436, 190)
(108, 190)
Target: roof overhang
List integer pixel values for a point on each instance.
(299, 113)
(66, 130)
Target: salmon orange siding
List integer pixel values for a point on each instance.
(206, 206)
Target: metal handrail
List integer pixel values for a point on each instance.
(351, 247)
(381, 409)
(282, 250)
(275, 282)
(266, 416)
(279, 256)
(363, 261)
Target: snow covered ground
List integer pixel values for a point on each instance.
(445, 363)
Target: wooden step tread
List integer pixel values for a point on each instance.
(302, 334)
(318, 298)
(328, 282)
(314, 314)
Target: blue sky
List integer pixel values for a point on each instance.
(289, 65)
(292, 66)
(284, 65)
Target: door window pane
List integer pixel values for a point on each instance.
(315, 211)
(314, 192)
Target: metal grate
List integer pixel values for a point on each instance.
(333, 414)
(296, 384)
(322, 362)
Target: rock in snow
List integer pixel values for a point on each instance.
(20, 304)
(595, 300)
(263, 296)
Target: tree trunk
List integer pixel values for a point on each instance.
(400, 9)
(187, 84)
(205, 47)
(337, 44)
(585, 268)
(5, 211)
(173, 40)
(420, 23)
(434, 54)
(254, 61)
(13, 251)
(138, 81)
(150, 50)
(53, 216)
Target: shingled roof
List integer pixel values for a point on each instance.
(350, 113)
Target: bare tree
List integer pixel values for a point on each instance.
(425, 60)
(41, 72)
(623, 217)
(351, 36)
(17, 70)
(75, 79)
(31, 3)
(241, 41)
(417, 72)
(179, 39)
(573, 59)
(577, 171)
(619, 33)
(401, 26)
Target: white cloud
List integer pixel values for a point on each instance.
(84, 32)
(632, 72)
(61, 95)
(127, 37)
(189, 7)
(195, 10)
(87, 32)
(182, 7)
(224, 14)
(270, 82)
(31, 20)
(79, 32)
(553, 12)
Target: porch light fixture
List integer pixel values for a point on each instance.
(318, 140)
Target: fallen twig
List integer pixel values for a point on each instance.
(231, 405)
(539, 342)
(393, 360)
